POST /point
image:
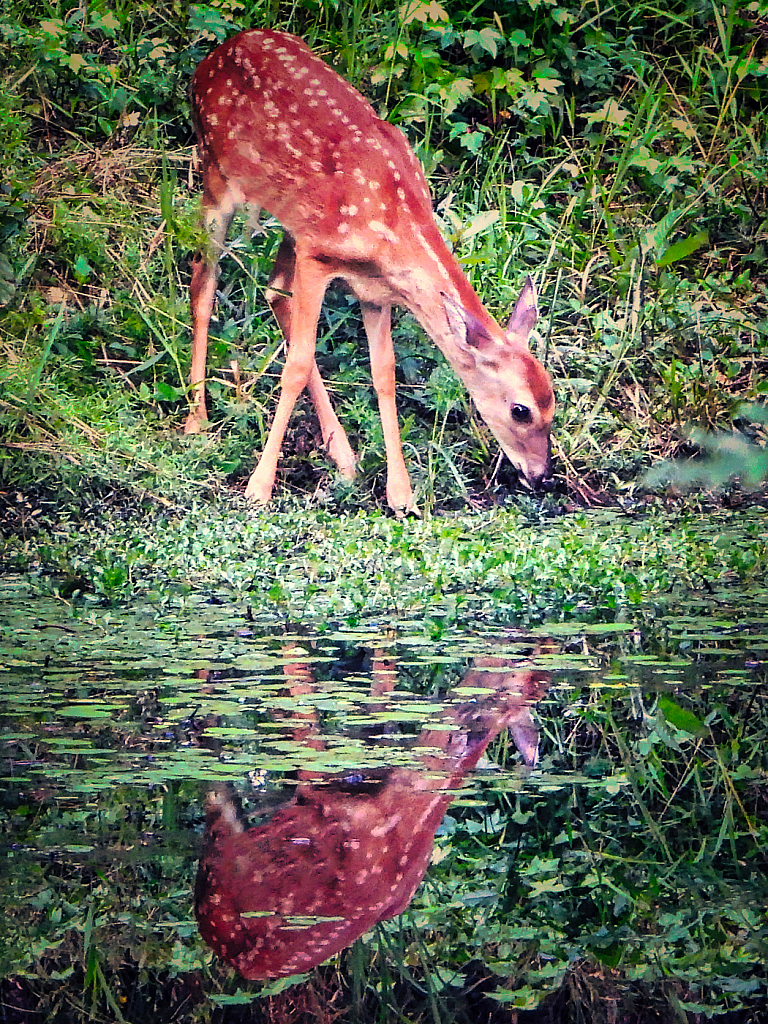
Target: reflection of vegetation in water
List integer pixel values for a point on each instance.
(631, 860)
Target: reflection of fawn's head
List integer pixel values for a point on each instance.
(280, 898)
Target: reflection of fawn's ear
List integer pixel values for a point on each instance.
(525, 734)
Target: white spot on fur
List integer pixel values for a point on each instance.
(381, 229)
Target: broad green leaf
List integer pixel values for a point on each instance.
(680, 718)
(683, 248)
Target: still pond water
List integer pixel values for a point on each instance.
(576, 792)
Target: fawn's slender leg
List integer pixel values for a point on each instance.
(205, 273)
(309, 283)
(378, 321)
(279, 295)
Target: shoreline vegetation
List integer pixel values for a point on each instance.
(616, 156)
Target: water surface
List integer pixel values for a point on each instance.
(617, 814)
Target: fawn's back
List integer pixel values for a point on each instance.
(288, 134)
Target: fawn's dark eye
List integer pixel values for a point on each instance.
(521, 414)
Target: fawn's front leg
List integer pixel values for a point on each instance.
(309, 284)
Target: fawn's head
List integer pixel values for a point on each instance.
(509, 386)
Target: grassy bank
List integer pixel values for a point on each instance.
(618, 156)
(310, 566)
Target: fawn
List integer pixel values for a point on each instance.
(279, 130)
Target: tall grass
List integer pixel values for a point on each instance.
(618, 156)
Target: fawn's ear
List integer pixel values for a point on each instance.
(524, 315)
(465, 327)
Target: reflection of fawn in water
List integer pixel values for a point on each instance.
(347, 852)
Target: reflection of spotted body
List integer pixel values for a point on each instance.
(347, 852)
(324, 857)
